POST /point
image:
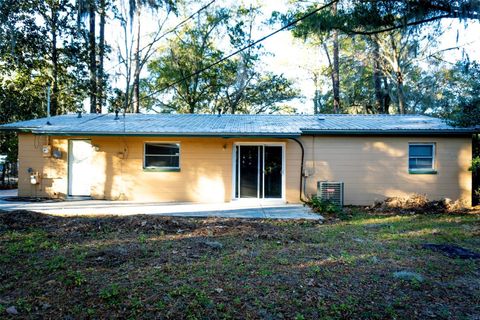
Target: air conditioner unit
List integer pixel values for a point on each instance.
(331, 191)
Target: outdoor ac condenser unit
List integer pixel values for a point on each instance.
(331, 190)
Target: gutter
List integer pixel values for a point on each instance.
(17, 129)
(425, 132)
(169, 134)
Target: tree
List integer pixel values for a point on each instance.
(134, 54)
(136, 7)
(40, 39)
(463, 94)
(191, 50)
(191, 81)
(367, 17)
(101, 78)
(335, 66)
(313, 30)
(88, 8)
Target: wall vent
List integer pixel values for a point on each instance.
(331, 191)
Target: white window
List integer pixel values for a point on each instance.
(421, 157)
(162, 156)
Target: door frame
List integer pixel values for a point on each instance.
(234, 167)
(69, 171)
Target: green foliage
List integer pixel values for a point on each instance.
(323, 206)
(111, 294)
(234, 86)
(56, 263)
(142, 238)
(366, 17)
(27, 242)
(73, 278)
(475, 167)
(371, 77)
(40, 46)
(463, 94)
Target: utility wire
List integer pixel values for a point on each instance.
(168, 32)
(185, 20)
(174, 28)
(291, 24)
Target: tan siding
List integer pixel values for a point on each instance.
(52, 172)
(117, 166)
(373, 168)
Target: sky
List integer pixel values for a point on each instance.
(291, 57)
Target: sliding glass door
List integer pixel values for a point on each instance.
(258, 171)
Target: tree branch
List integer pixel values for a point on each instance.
(409, 24)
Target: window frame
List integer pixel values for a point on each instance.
(161, 169)
(431, 170)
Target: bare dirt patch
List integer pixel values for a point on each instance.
(174, 268)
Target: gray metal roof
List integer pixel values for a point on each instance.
(234, 125)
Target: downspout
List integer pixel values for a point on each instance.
(301, 167)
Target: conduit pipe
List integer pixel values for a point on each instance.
(301, 168)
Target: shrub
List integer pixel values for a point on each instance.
(323, 206)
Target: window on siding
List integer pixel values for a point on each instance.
(162, 155)
(421, 156)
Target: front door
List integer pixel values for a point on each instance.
(79, 167)
(259, 171)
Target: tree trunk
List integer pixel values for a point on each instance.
(386, 97)
(101, 55)
(93, 63)
(316, 99)
(377, 80)
(54, 95)
(336, 68)
(136, 73)
(400, 93)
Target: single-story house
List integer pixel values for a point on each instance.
(222, 158)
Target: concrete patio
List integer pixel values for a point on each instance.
(236, 209)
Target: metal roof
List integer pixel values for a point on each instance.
(234, 125)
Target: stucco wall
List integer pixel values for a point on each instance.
(52, 172)
(117, 167)
(371, 167)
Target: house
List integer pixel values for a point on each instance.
(220, 158)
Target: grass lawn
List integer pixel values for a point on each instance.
(174, 268)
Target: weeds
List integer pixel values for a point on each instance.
(324, 206)
(73, 278)
(111, 294)
(265, 269)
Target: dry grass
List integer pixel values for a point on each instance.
(167, 268)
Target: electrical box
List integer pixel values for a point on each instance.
(47, 150)
(57, 154)
(34, 178)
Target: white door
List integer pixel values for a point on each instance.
(79, 167)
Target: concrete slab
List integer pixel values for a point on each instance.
(253, 209)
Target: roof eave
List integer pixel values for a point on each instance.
(422, 132)
(16, 129)
(170, 134)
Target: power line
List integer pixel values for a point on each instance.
(292, 23)
(185, 20)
